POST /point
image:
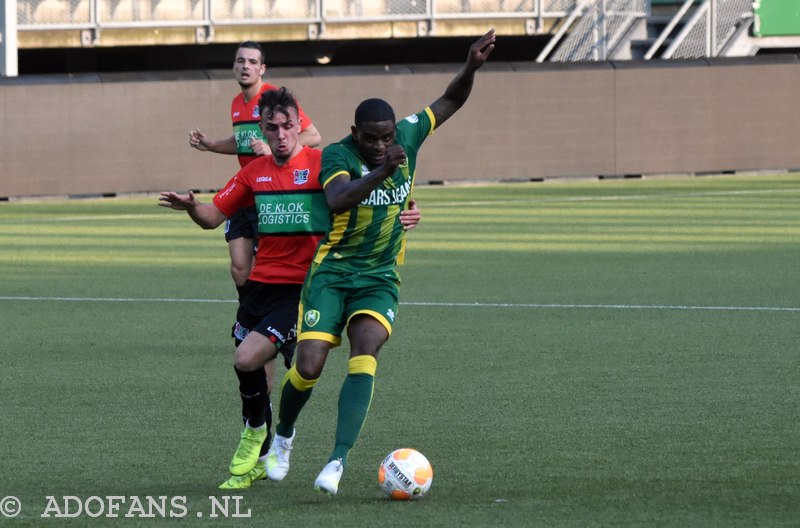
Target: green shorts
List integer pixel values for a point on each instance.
(331, 298)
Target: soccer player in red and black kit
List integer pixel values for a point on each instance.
(247, 142)
(292, 218)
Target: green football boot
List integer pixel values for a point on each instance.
(245, 481)
(246, 455)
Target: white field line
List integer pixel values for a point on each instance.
(51, 219)
(556, 199)
(609, 306)
(437, 304)
(114, 299)
(433, 203)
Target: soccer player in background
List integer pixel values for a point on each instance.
(352, 282)
(248, 143)
(292, 218)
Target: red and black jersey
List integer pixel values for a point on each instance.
(293, 214)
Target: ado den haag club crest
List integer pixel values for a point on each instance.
(311, 317)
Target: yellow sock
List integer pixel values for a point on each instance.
(298, 381)
(362, 365)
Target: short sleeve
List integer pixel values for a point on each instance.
(416, 128)
(334, 163)
(235, 195)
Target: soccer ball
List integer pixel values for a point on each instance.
(405, 474)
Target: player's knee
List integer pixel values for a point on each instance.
(309, 368)
(298, 381)
(367, 335)
(245, 360)
(369, 348)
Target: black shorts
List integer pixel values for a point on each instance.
(243, 224)
(270, 310)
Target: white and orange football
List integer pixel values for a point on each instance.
(405, 474)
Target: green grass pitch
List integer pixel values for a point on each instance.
(577, 353)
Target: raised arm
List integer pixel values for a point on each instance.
(206, 216)
(457, 92)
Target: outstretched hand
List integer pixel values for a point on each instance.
(457, 92)
(198, 140)
(480, 50)
(179, 202)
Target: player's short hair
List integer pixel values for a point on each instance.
(374, 111)
(280, 100)
(251, 44)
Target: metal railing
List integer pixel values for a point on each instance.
(588, 30)
(593, 29)
(91, 17)
(665, 33)
(49, 15)
(709, 29)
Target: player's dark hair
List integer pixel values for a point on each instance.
(374, 111)
(251, 44)
(280, 100)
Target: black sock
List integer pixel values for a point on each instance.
(268, 415)
(255, 398)
(268, 441)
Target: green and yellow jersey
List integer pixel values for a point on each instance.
(369, 237)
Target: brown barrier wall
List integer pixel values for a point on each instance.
(522, 122)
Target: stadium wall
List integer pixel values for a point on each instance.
(125, 133)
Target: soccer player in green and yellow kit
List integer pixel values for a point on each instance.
(352, 282)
